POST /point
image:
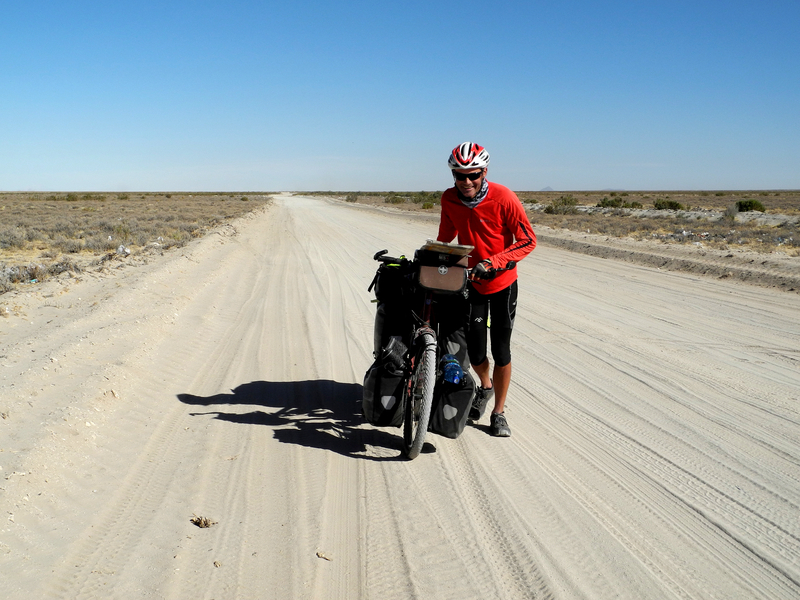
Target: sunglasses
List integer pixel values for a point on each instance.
(470, 176)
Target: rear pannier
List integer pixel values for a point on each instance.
(382, 402)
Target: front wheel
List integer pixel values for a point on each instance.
(420, 395)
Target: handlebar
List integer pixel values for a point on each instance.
(382, 256)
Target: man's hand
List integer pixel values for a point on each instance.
(483, 270)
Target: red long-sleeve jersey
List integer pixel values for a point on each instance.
(498, 228)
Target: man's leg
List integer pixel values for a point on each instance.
(502, 379)
(482, 371)
(503, 309)
(477, 337)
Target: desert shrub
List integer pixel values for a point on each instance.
(122, 231)
(563, 205)
(13, 237)
(394, 199)
(69, 246)
(62, 266)
(424, 197)
(245, 199)
(618, 203)
(351, 198)
(749, 204)
(610, 202)
(122, 197)
(667, 205)
(428, 205)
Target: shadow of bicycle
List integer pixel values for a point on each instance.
(320, 414)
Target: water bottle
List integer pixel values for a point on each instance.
(451, 369)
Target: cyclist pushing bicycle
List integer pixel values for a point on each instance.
(489, 217)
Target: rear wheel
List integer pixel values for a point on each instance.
(420, 395)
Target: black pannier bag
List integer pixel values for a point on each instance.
(452, 317)
(395, 293)
(451, 404)
(382, 401)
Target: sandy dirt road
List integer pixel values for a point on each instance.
(655, 449)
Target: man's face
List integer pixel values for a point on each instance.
(469, 181)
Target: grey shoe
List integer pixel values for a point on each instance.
(499, 425)
(482, 397)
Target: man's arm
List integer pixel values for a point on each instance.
(524, 237)
(447, 230)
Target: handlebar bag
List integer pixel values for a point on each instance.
(441, 273)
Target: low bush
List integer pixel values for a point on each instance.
(667, 205)
(610, 203)
(748, 204)
(426, 197)
(618, 203)
(563, 205)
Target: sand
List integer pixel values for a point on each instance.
(655, 449)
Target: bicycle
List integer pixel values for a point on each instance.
(439, 268)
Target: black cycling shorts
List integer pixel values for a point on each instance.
(502, 308)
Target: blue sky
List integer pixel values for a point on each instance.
(372, 95)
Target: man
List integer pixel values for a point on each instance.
(491, 218)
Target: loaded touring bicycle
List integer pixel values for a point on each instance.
(420, 378)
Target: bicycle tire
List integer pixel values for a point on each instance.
(420, 396)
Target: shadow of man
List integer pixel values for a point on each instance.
(317, 414)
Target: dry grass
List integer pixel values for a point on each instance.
(720, 234)
(700, 223)
(709, 218)
(42, 235)
(785, 202)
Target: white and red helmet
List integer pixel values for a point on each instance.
(468, 156)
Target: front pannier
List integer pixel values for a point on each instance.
(451, 404)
